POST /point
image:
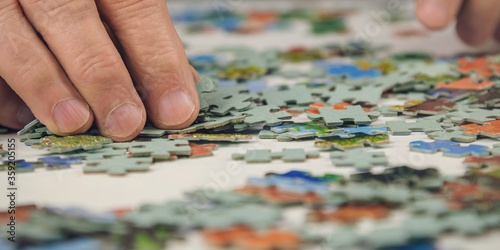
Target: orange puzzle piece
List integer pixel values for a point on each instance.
(202, 150)
(490, 129)
(273, 194)
(246, 238)
(480, 65)
(352, 213)
(466, 83)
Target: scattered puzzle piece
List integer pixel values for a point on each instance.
(405, 128)
(349, 214)
(479, 116)
(370, 94)
(358, 141)
(453, 134)
(210, 137)
(489, 99)
(201, 150)
(333, 117)
(268, 114)
(118, 165)
(490, 129)
(482, 162)
(358, 159)
(160, 148)
(467, 84)
(299, 95)
(449, 148)
(71, 143)
(265, 155)
(430, 108)
(477, 65)
(56, 162)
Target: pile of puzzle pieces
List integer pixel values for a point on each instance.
(333, 107)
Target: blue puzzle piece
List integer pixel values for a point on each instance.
(449, 148)
(74, 244)
(294, 174)
(352, 71)
(23, 166)
(369, 130)
(56, 162)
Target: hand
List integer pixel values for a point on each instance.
(85, 68)
(477, 20)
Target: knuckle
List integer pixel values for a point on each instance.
(135, 6)
(157, 66)
(59, 12)
(8, 8)
(99, 67)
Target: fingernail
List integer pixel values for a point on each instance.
(124, 120)
(175, 108)
(437, 7)
(71, 114)
(24, 114)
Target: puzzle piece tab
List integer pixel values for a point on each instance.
(268, 114)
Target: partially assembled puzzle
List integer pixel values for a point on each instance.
(338, 105)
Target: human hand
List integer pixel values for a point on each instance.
(76, 74)
(477, 20)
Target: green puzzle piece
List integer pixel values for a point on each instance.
(118, 165)
(160, 148)
(265, 155)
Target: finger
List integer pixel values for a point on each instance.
(158, 64)
(437, 14)
(14, 112)
(196, 76)
(477, 21)
(34, 74)
(77, 37)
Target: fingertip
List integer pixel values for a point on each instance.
(124, 122)
(433, 14)
(470, 36)
(71, 116)
(177, 109)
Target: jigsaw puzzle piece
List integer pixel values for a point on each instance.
(482, 162)
(268, 114)
(354, 114)
(118, 165)
(405, 128)
(210, 137)
(479, 116)
(490, 129)
(358, 159)
(56, 162)
(265, 155)
(433, 107)
(358, 141)
(449, 148)
(299, 95)
(160, 148)
(210, 123)
(341, 93)
(202, 150)
(71, 143)
(489, 99)
(453, 134)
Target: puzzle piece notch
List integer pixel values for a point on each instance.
(354, 114)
